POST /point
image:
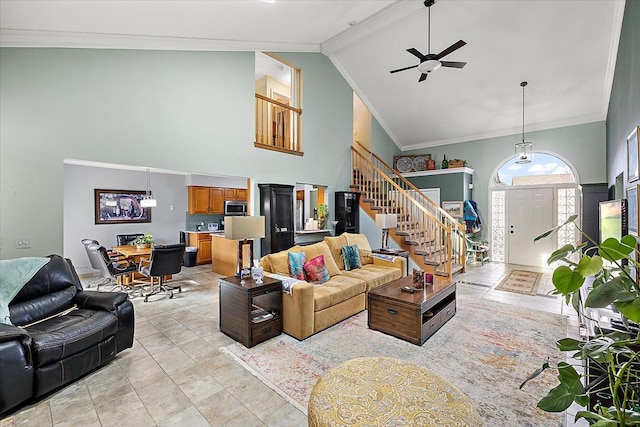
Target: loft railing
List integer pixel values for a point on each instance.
(431, 231)
(277, 126)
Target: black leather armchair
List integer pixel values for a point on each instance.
(61, 332)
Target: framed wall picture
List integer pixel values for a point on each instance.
(453, 208)
(120, 207)
(632, 155)
(632, 206)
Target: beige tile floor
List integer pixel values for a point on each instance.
(175, 375)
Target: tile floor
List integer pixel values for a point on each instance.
(175, 375)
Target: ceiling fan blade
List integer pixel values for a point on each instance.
(402, 69)
(423, 77)
(416, 52)
(453, 64)
(457, 45)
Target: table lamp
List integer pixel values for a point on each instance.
(244, 229)
(386, 221)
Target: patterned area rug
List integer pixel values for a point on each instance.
(486, 350)
(520, 282)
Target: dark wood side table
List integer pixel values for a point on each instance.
(250, 313)
(411, 316)
(394, 252)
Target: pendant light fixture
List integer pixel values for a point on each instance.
(147, 201)
(523, 148)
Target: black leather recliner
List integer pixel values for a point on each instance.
(46, 350)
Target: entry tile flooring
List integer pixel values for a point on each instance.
(175, 375)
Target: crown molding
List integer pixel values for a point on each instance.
(618, 15)
(10, 37)
(507, 132)
(387, 17)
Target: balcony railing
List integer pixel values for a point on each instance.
(277, 126)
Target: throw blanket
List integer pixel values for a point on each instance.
(287, 282)
(14, 274)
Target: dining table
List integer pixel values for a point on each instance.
(135, 253)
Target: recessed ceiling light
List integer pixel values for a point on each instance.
(268, 1)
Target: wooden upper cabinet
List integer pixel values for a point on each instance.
(198, 200)
(216, 200)
(238, 194)
(205, 200)
(210, 200)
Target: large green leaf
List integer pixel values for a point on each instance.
(613, 250)
(617, 289)
(631, 309)
(567, 280)
(558, 399)
(535, 373)
(569, 344)
(560, 254)
(572, 218)
(589, 266)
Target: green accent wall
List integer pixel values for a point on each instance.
(453, 187)
(624, 105)
(173, 110)
(581, 145)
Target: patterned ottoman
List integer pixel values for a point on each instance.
(382, 391)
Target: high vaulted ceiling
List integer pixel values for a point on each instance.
(565, 49)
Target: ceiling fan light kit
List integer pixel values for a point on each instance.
(431, 62)
(524, 149)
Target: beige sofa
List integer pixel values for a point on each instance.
(310, 308)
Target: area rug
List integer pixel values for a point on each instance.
(486, 350)
(520, 282)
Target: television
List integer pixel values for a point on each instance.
(613, 219)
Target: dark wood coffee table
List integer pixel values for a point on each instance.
(411, 316)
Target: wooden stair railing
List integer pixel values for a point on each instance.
(432, 236)
(277, 126)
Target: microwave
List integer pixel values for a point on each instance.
(235, 208)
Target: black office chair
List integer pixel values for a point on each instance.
(127, 239)
(165, 260)
(112, 269)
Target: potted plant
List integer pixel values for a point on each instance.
(617, 353)
(323, 215)
(144, 241)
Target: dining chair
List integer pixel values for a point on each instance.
(165, 260)
(113, 270)
(127, 239)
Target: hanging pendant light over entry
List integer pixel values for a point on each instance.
(147, 201)
(524, 150)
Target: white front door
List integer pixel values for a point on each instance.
(529, 214)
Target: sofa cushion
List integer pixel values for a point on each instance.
(363, 246)
(375, 275)
(63, 336)
(337, 289)
(335, 247)
(316, 270)
(321, 248)
(296, 264)
(351, 257)
(279, 262)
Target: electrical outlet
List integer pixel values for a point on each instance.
(23, 242)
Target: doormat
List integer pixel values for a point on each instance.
(479, 351)
(520, 282)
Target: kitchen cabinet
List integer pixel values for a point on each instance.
(236, 194)
(202, 241)
(205, 200)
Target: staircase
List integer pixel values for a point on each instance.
(434, 239)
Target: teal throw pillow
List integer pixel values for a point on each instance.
(351, 257)
(296, 264)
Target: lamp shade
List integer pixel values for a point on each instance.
(386, 220)
(243, 227)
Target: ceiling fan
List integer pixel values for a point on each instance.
(431, 61)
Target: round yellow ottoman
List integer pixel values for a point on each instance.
(382, 391)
